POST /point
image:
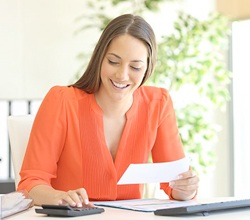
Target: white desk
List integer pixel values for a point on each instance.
(120, 214)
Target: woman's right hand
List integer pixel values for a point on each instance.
(44, 194)
(74, 198)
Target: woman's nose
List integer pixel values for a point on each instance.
(122, 73)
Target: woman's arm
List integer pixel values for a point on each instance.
(44, 194)
(168, 147)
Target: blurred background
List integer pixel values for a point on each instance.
(203, 62)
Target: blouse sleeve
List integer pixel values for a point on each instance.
(168, 145)
(46, 141)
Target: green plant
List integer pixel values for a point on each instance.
(190, 61)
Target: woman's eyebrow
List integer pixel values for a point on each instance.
(121, 58)
(114, 55)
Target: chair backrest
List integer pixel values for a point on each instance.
(19, 128)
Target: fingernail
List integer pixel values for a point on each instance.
(79, 205)
(179, 177)
(86, 201)
(171, 184)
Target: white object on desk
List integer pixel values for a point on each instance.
(154, 172)
(121, 214)
(145, 205)
(19, 128)
(14, 202)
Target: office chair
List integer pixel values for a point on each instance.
(19, 128)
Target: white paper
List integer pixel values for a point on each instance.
(154, 172)
(145, 205)
(14, 202)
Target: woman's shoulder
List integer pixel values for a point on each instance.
(151, 93)
(68, 92)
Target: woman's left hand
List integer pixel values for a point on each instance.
(185, 186)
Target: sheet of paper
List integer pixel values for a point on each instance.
(154, 172)
(14, 202)
(145, 205)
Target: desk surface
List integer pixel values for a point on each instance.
(114, 214)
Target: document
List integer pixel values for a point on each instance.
(14, 202)
(145, 205)
(154, 172)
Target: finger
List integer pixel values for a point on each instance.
(188, 193)
(66, 199)
(186, 189)
(75, 198)
(89, 205)
(184, 186)
(63, 202)
(83, 196)
(187, 181)
(188, 174)
(188, 184)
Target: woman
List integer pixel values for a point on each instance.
(85, 135)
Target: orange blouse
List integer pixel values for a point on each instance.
(67, 147)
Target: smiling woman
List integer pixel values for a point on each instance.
(90, 132)
(122, 70)
(138, 29)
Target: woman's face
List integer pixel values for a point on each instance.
(123, 67)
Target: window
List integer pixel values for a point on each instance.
(241, 106)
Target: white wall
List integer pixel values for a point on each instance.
(39, 48)
(38, 45)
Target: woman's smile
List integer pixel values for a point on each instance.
(119, 85)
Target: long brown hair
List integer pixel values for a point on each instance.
(130, 24)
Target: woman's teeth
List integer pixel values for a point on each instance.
(119, 85)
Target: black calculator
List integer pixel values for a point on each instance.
(62, 210)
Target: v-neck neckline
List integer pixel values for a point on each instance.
(129, 114)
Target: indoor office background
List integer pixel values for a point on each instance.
(39, 48)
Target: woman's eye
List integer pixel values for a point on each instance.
(136, 68)
(112, 62)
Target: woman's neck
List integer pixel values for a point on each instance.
(113, 108)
